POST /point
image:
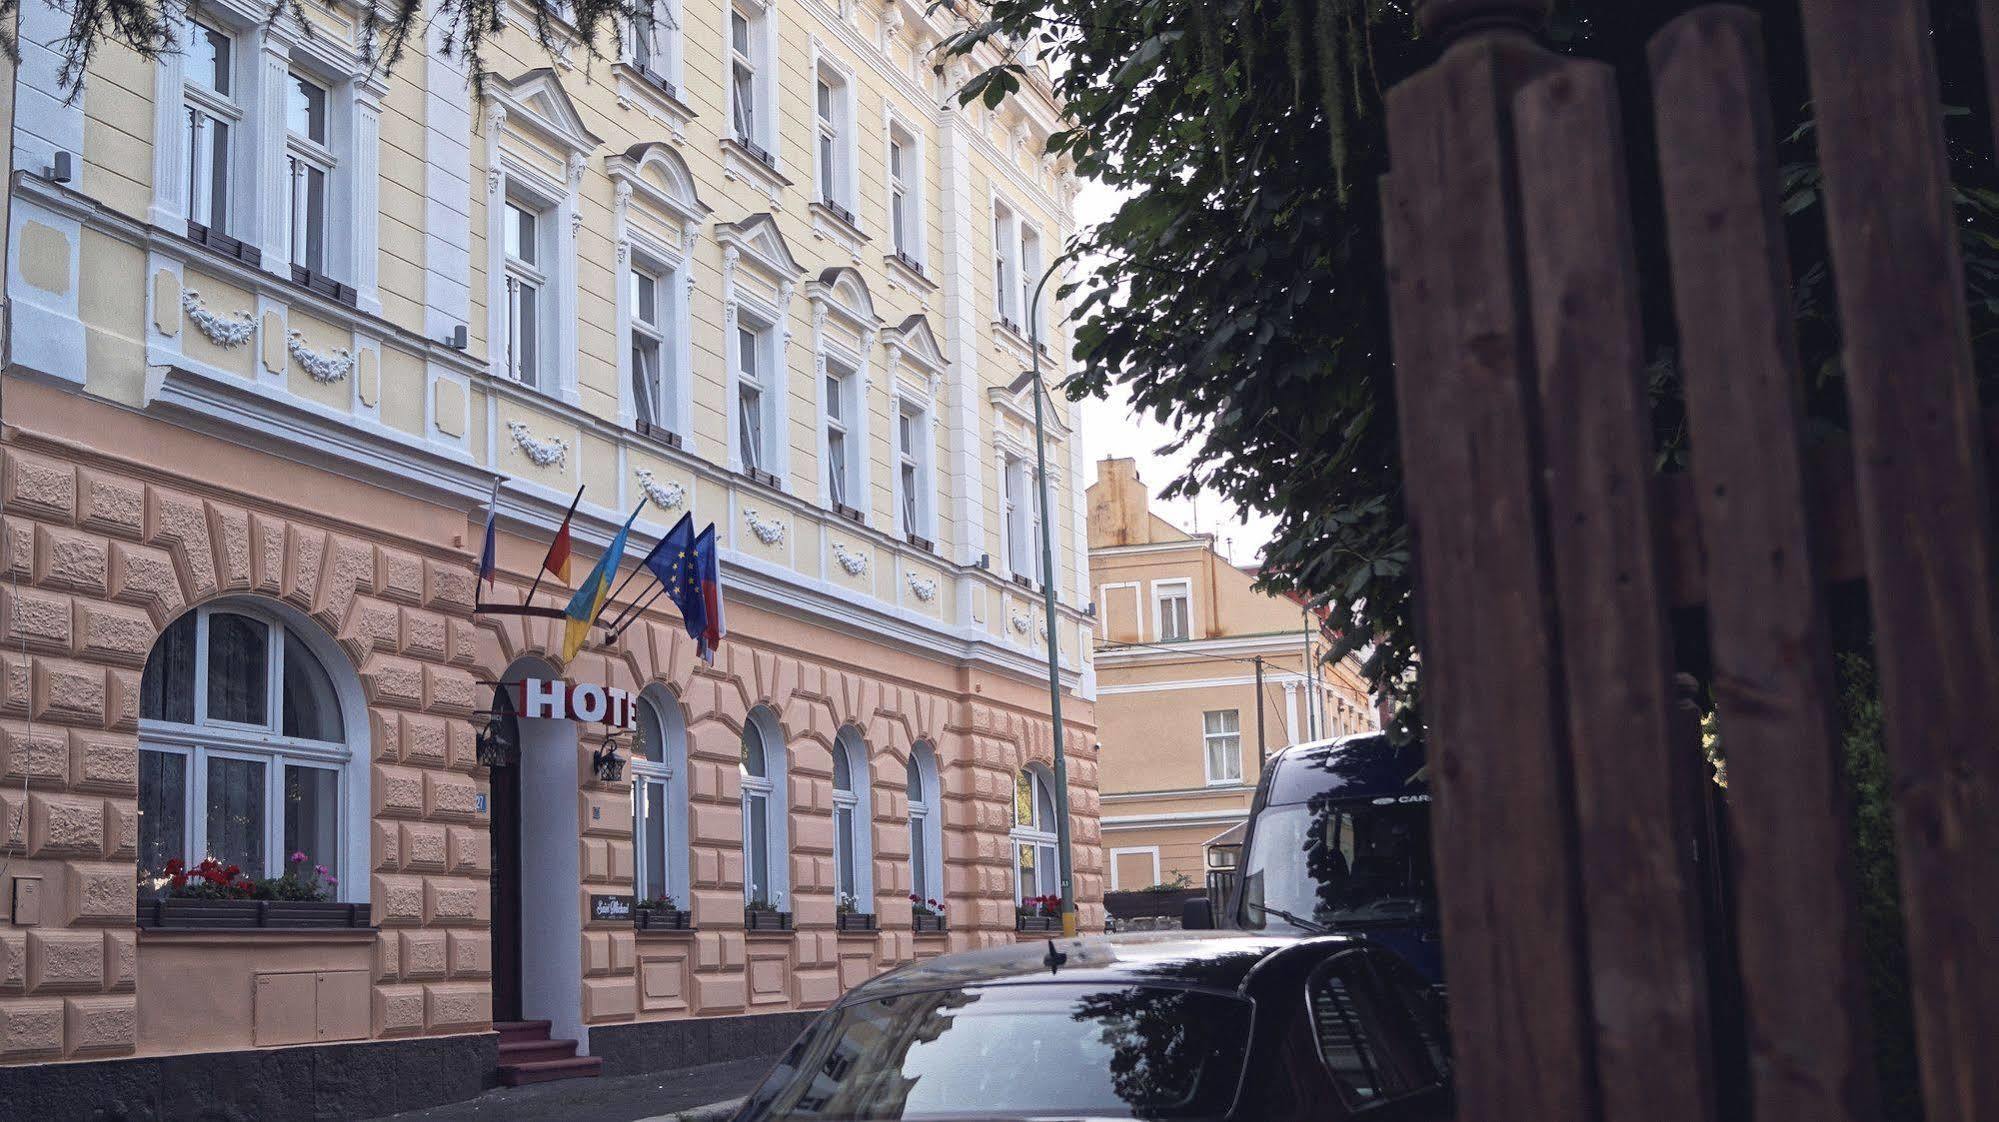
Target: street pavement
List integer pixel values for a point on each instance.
(660, 1096)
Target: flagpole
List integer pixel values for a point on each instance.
(642, 564)
(489, 535)
(631, 614)
(551, 549)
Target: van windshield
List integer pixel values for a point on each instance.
(1337, 865)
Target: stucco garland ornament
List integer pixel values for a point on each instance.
(1021, 622)
(924, 587)
(232, 330)
(669, 495)
(768, 531)
(854, 562)
(330, 367)
(544, 451)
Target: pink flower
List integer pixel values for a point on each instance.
(332, 880)
(320, 869)
(299, 858)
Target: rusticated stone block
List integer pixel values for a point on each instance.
(62, 961)
(230, 527)
(110, 503)
(398, 900)
(388, 847)
(449, 690)
(471, 954)
(424, 634)
(596, 860)
(423, 954)
(13, 960)
(720, 993)
(13, 819)
(73, 560)
(817, 989)
(146, 577)
(371, 627)
(121, 960)
(624, 952)
(399, 575)
(621, 859)
(385, 733)
(464, 642)
(39, 619)
(398, 792)
(113, 634)
(456, 1006)
(450, 795)
(30, 1027)
(394, 682)
(121, 704)
(350, 573)
(181, 524)
(609, 999)
(69, 692)
(388, 956)
(100, 761)
(448, 587)
(468, 849)
(17, 549)
(59, 824)
(596, 952)
(716, 825)
(267, 559)
(121, 828)
(423, 847)
(40, 757)
(39, 487)
(398, 1009)
(452, 900)
(463, 753)
(424, 740)
(305, 559)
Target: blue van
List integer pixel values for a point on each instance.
(1338, 841)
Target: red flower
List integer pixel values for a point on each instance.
(232, 870)
(175, 865)
(180, 880)
(912, 897)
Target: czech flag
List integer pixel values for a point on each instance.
(590, 595)
(708, 572)
(489, 556)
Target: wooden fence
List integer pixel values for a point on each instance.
(1549, 556)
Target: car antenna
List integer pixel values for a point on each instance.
(1055, 959)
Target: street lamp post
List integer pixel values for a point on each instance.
(1063, 860)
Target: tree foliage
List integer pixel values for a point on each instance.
(1241, 296)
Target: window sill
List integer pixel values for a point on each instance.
(324, 285)
(657, 433)
(835, 223)
(929, 925)
(910, 272)
(858, 923)
(851, 514)
(759, 919)
(763, 478)
(920, 542)
(233, 248)
(251, 915)
(751, 164)
(661, 920)
(653, 95)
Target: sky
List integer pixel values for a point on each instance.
(1111, 428)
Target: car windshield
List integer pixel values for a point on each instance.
(1007, 1051)
(1336, 865)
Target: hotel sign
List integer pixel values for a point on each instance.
(542, 699)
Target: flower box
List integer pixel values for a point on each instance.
(662, 919)
(928, 923)
(184, 912)
(855, 921)
(1023, 922)
(766, 919)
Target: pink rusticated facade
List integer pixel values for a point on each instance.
(347, 607)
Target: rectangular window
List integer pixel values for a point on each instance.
(312, 814)
(1020, 520)
(743, 59)
(1175, 604)
(1030, 276)
(900, 204)
(1221, 734)
(750, 399)
(649, 345)
(756, 844)
(310, 162)
(838, 451)
(833, 138)
(211, 116)
(843, 827)
(525, 295)
(1004, 273)
(236, 811)
(655, 40)
(162, 810)
(907, 425)
(649, 826)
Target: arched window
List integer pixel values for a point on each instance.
(766, 855)
(926, 835)
(853, 822)
(1034, 835)
(659, 800)
(244, 753)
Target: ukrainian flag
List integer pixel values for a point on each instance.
(589, 599)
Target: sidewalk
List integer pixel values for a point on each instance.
(659, 1096)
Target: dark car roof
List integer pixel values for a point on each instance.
(1352, 767)
(1212, 959)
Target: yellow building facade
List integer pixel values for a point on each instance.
(1181, 724)
(277, 320)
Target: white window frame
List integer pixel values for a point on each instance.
(664, 778)
(1151, 851)
(911, 432)
(1006, 263)
(759, 61)
(1162, 591)
(858, 801)
(1211, 738)
(195, 744)
(202, 102)
(1036, 834)
(1030, 265)
(773, 789)
(655, 224)
(755, 375)
(926, 835)
(1020, 517)
(305, 154)
(840, 407)
(664, 42)
(834, 134)
(521, 273)
(660, 333)
(908, 234)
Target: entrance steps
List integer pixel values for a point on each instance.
(527, 1055)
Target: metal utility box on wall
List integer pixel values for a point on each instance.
(311, 1008)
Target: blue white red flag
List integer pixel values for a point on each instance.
(488, 555)
(709, 573)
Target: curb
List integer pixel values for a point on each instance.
(723, 1111)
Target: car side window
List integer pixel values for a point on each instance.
(1375, 1032)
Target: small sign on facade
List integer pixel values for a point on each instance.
(559, 700)
(610, 907)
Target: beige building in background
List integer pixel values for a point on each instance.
(278, 319)
(1179, 633)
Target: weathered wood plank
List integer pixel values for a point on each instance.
(1925, 516)
(1634, 833)
(1798, 927)
(1506, 858)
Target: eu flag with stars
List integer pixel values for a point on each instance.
(674, 563)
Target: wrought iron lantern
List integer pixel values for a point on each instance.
(498, 742)
(606, 762)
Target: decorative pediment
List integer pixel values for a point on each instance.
(913, 339)
(757, 239)
(657, 173)
(537, 101)
(842, 289)
(1020, 407)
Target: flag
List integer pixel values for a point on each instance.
(709, 573)
(589, 598)
(557, 561)
(672, 561)
(489, 556)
